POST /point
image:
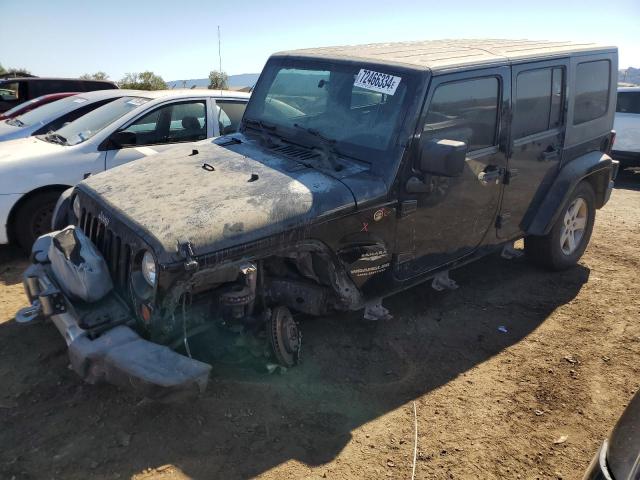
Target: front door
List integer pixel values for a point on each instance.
(162, 128)
(537, 134)
(453, 215)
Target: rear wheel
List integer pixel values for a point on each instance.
(33, 218)
(563, 246)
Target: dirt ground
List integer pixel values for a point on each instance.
(531, 400)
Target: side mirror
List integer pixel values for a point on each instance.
(123, 139)
(444, 158)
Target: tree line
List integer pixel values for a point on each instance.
(136, 81)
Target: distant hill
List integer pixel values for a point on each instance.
(630, 75)
(235, 81)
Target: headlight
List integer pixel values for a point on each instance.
(149, 271)
(76, 207)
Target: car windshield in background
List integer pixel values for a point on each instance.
(355, 106)
(20, 107)
(88, 125)
(43, 114)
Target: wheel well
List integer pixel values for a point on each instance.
(33, 193)
(599, 181)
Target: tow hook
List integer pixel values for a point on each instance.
(29, 314)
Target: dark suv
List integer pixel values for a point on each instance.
(14, 91)
(358, 172)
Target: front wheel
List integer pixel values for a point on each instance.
(33, 218)
(563, 246)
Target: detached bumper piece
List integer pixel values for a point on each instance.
(121, 357)
(102, 348)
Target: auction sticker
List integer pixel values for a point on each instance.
(376, 81)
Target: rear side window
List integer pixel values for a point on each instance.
(592, 90)
(628, 102)
(233, 112)
(538, 101)
(466, 111)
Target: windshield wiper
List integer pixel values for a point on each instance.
(328, 146)
(16, 122)
(267, 130)
(54, 137)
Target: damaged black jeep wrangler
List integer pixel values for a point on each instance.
(358, 172)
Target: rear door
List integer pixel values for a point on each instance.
(536, 140)
(161, 128)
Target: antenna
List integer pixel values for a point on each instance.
(219, 51)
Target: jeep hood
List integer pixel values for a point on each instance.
(219, 197)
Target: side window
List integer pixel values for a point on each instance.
(466, 111)
(188, 122)
(538, 102)
(181, 122)
(628, 102)
(230, 115)
(592, 90)
(9, 91)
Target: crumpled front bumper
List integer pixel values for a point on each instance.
(114, 353)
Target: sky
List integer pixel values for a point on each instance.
(178, 40)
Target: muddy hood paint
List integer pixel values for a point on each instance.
(243, 195)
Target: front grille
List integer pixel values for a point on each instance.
(116, 252)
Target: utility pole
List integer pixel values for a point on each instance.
(219, 52)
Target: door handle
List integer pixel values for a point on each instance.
(490, 175)
(549, 155)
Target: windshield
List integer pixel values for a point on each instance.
(43, 114)
(357, 107)
(88, 125)
(19, 108)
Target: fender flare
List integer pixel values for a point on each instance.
(63, 213)
(598, 167)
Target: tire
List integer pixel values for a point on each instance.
(561, 248)
(33, 218)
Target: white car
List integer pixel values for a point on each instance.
(54, 115)
(626, 147)
(34, 171)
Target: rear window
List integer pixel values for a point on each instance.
(592, 91)
(628, 102)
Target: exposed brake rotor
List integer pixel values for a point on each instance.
(285, 337)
